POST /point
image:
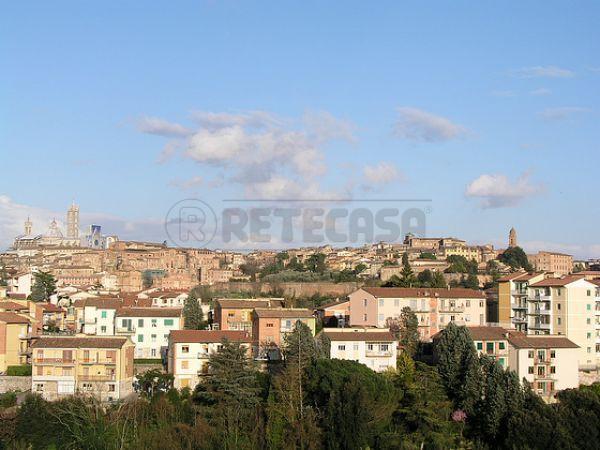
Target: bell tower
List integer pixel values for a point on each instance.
(73, 221)
(28, 227)
(512, 238)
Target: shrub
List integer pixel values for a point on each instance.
(8, 399)
(19, 371)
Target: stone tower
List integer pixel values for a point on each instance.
(512, 238)
(73, 221)
(28, 227)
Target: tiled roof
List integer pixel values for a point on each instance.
(548, 282)
(149, 312)
(79, 342)
(233, 303)
(207, 336)
(16, 295)
(51, 307)
(284, 313)
(520, 340)
(488, 333)
(13, 306)
(343, 304)
(385, 292)
(360, 336)
(102, 303)
(9, 317)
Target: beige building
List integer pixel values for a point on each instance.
(14, 343)
(558, 263)
(513, 299)
(98, 366)
(435, 308)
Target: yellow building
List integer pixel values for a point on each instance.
(468, 252)
(98, 366)
(13, 340)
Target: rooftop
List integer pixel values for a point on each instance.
(284, 313)
(207, 336)
(360, 336)
(79, 342)
(149, 312)
(9, 317)
(384, 292)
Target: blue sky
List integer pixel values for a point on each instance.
(490, 109)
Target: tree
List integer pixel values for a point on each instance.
(471, 282)
(515, 258)
(316, 263)
(438, 280)
(192, 313)
(147, 280)
(44, 286)
(154, 381)
(427, 255)
(407, 276)
(409, 331)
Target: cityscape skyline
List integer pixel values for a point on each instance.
(389, 102)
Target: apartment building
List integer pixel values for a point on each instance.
(513, 292)
(189, 352)
(149, 328)
(98, 366)
(236, 314)
(270, 326)
(566, 306)
(548, 363)
(96, 315)
(492, 342)
(435, 308)
(53, 316)
(558, 263)
(336, 314)
(14, 343)
(375, 348)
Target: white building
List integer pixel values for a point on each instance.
(21, 283)
(375, 348)
(96, 316)
(189, 352)
(149, 328)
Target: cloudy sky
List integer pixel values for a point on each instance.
(488, 109)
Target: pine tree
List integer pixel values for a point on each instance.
(407, 276)
(192, 313)
(409, 331)
(43, 287)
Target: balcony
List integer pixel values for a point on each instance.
(111, 377)
(519, 320)
(89, 321)
(125, 330)
(452, 309)
(97, 361)
(519, 306)
(541, 298)
(540, 326)
(518, 292)
(69, 362)
(378, 353)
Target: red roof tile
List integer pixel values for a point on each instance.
(207, 336)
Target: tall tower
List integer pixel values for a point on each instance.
(512, 238)
(28, 227)
(73, 221)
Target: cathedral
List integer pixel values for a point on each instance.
(53, 237)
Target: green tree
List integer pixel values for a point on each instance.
(427, 255)
(438, 280)
(154, 381)
(409, 331)
(192, 313)
(316, 263)
(44, 286)
(515, 258)
(471, 282)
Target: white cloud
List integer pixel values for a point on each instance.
(561, 113)
(382, 173)
(418, 125)
(543, 72)
(540, 91)
(161, 127)
(497, 190)
(261, 151)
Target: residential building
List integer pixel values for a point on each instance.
(375, 348)
(236, 314)
(96, 315)
(492, 342)
(336, 314)
(513, 299)
(149, 328)
(53, 316)
(435, 308)
(98, 366)
(189, 352)
(270, 326)
(566, 306)
(548, 363)
(558, 263)
(14, 331)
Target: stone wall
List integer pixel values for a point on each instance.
(290, 289)
(9, 383)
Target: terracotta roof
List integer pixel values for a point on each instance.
(488, 333)
(334, 304)
(385, 292)
(9, 317)
(520, 340)
(102, 303)
(13, 306)
(134, 301)
(557, 281)
(51, 307)
(149, 312)
(168, 294)
(207, 336)
(227, 303)
(16, 295)
(284, 313)
(360, 336)
(79, 342)
(520, 276)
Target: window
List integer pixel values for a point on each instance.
(103, 314)
(370, 347)
(589, 349)
(270, 325)
(552, 353)
(396, 302)
(153, 353)
(558, 306)
(355, 347)
(489, 347)
(103, 329)
(530, 354)
(380, 318)
(140, 322)
(153, 337)
(501, 345)
(185, 349)
(341, 348)
(589, 321)
(501, 361)
(39, 387)
(589, 293)
(384, 347)
(112, 388)
(589, 335)
(140, 338)
(559, 292)
(589, 307)
(530, 370)
(364, 317)
(230, 314)
(558, 321)
(184, 364)
(552, 369)
(365, 302)
(168, 322)
(154, 323)
(468, 303)
(380, 302)
(480, 346)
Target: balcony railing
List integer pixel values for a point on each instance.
(518, 292)
(125, 330)
(54, 361)
(97, 361)
(112, 377)
(378, 353)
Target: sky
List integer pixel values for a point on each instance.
(487, 110)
